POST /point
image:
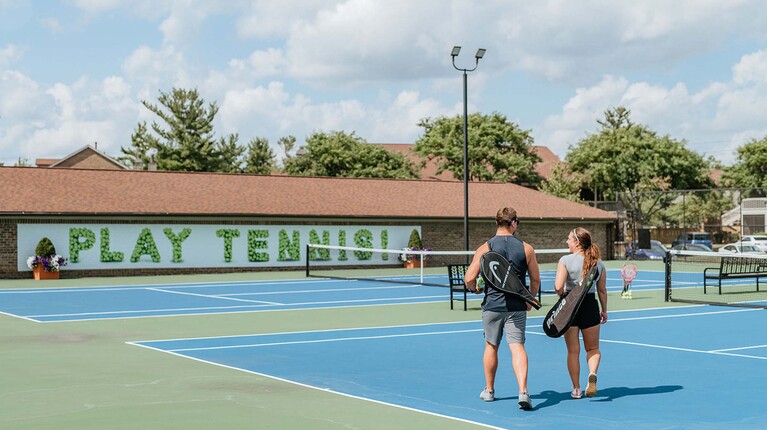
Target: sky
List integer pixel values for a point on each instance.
(74, 73)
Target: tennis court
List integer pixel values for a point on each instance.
(316, 353)
(174, 299)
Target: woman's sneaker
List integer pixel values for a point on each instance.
(591, 389)
(576, 393)
(487, 395)
(525, 402)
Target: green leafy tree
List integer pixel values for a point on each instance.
(231, 154)
(624, 156)
(184, 139)
(563, 183)
(634, 161)
(750, 168)
(698, 208)
(498, 149)
(346, 155)
(260, 158)
(138, 154)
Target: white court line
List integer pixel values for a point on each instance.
(648, 345)
(208, 296)
(325, 390)
(337, 339)
(319, 291)
(351, 338)
(256, 283)
(236, 307)
(739, 349)
(682, 315)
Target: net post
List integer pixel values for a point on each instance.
(667, 265)
(423, 257)
(307, 260)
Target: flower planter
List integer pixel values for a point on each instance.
(414, 264)
(41, 274)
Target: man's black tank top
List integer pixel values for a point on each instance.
(514, 251)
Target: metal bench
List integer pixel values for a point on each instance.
(455, 273)
(735, 268)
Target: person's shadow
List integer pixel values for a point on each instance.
(551, 398)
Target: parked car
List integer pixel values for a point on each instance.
(757, 241)
(738, 248)
(656, 252)
(691, 247)
(693, 237)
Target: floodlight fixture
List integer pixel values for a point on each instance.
(456, 51)
(480, 53)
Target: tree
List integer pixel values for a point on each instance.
(699, 208)
(231, 154)
(184, 139)
(634, 161)
(346, 155)
(138, 154)
(260, 159)
(498, 149)
(750, 168)
(624, 156)
(563, 184)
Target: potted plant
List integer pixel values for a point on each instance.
(413, 261)
(46, 264)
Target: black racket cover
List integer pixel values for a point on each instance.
(496, 271)
(561, 315)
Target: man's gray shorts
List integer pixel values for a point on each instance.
(513, 323)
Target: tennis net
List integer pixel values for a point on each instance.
(717, 278)
(388, 265)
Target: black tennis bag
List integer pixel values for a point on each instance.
(561, 315)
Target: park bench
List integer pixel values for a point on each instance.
(455, 273)
(735, 268)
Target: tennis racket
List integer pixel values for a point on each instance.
(496, 271)
(628, 273)
(561, 315)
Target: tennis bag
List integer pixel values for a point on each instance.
(561, 315)
(496, 271)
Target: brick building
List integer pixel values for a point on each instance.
(91, 210)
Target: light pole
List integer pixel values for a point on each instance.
(480, 53)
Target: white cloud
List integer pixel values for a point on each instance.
(270, 18)
(752, 68)
(9, 54)
(158, 69)
(52, 24)
(714, 121)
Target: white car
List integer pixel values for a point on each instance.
(737, 248)
(757, 241)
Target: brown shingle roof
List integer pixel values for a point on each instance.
(81, 191)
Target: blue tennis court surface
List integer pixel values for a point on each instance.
(75, 304)
(686, 367)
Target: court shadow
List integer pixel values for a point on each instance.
(552, 398)
(612, 393)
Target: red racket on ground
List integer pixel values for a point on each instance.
(628, 273)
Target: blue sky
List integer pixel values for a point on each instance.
(75, 72)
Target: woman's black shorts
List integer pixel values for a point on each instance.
(588, 314)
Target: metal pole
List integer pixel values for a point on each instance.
(465, 166)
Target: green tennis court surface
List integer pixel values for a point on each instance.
(661, 368)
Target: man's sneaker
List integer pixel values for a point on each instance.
(591, 389)
(487, 395)
(525, 402)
